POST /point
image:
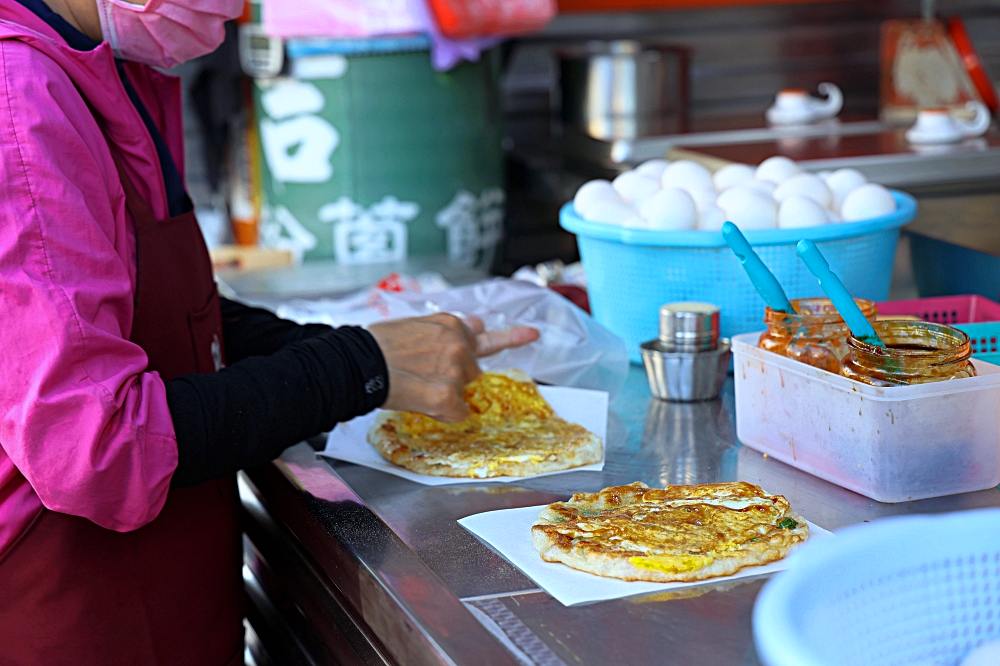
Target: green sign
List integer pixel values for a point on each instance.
(372, 158)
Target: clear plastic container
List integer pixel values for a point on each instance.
(892, 444)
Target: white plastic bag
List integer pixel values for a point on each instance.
(574, 350)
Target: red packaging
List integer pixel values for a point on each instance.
(466, 19)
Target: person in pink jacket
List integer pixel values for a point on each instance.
(130, 393)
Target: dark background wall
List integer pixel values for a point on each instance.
(742, 55)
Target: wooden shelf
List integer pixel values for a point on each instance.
(249, 257)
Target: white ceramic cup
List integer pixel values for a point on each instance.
(940, 126)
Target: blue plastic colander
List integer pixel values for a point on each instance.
(632, 272)
(910, 591)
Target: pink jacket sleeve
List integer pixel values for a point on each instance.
(80, 417)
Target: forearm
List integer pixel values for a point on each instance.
(249, 412)
(250, 331)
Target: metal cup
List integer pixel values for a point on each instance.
(687, 362)
(689, 326)
(685, 376)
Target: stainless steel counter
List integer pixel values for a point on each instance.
(390, 577)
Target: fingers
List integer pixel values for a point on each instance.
(462, 360)
(474, 327)
(491, 342)
(486, 342)
(474, 324)
(468, 325)
(457, 348)
(432, 359)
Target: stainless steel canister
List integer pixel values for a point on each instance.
(688, 361)
(623, 88)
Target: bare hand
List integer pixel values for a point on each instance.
(432, 358)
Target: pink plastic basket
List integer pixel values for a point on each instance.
(976, 315)
(945, 309)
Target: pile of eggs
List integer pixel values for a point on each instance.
(684, 195)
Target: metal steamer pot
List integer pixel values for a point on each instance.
(623, 88)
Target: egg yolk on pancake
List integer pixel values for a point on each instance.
(493, 399)
(509, 423)
(666, 531)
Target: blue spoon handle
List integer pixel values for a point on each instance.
(762, 278)
(835, 290)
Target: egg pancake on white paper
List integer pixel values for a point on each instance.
(677, 533)
(511, 431)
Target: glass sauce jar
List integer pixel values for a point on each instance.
(815, 334)
(916, 352)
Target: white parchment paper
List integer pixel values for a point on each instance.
(508, 531)
(348, 441)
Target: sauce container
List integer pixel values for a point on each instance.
(815, 334)
(889, 443)
(916, 352)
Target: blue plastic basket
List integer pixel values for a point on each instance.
(977, 315)
(909, 591)
(632, 272)
(985, 338)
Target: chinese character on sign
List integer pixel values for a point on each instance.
(372, 235)
(280, 229)
(473, 225)
(297, 142)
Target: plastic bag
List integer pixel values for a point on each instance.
(448, 52)
(574, 350)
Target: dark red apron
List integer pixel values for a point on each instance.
(171, 592)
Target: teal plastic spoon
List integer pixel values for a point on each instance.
(835, 290)
(762, 278)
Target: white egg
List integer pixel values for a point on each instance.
(866, 202)
(777, 169)
(762, 186)
(730, 175)
(842, 182)
(688, 175)
(594, 192)
(636, 222)
(799, 211)
(824, 174)
(703, 198)
(652, 168)
(749, 208)
(609, 212)
(987, 654)
(711, 219)
(670, 208)
(633, 187)
(807, 185)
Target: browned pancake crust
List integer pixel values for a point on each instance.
(677, 533)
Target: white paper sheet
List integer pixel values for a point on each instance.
(348, 441)
(508, 531)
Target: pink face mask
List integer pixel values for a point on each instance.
(164, 33)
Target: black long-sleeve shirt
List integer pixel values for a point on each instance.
(285, 382)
